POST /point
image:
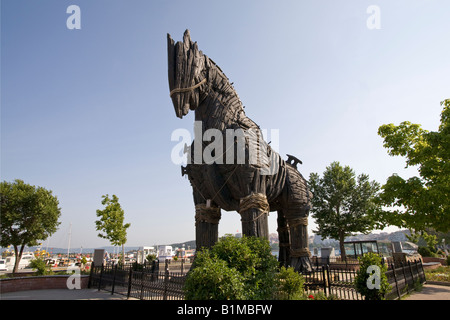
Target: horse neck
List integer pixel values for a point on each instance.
(221, 108)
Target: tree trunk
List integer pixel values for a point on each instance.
(123, 254)
(18, 256)
(341, 245)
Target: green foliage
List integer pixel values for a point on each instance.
(111, 221)
(441, 274)
(289, 285)
(28, 214)
(343, 204)
(419, 202)
(426, 252)
(234, 268)
(367, 260)
(213, 279)
(40, 266)
(431, 241)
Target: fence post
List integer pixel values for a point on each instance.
(182, 266)
(423, 271)
(166, 280)
(324, 281)
(328, 280)
(100, 279)
(142, 285)
(114, 279)
(416, 263)
(412, 275)
(130, 279)
(404, 266)
(396, 282)
(90, 275)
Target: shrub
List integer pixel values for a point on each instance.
(40, 266)
(213, 279)
(234, 268)
(289, 285)
(426, 252)
(381, 287)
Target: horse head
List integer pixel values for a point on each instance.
(187, 74)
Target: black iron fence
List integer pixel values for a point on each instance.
(405, 278)
(144, 282)
(147, 282)
(337, 279)
(332, 281)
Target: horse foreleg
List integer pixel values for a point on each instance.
(255, 223)
(254, 210)
(206, 225)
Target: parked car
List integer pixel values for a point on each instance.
(3, 265)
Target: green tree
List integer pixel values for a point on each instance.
(233, 269)
(343, 204)
(111, 223)
(29, 214)
(419, 202)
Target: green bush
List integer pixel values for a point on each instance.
(234, 268)
(213, 279)
(426, 252)
(40, 266)
(289, 285)
(361, 281)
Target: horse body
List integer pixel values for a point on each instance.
(252, 188)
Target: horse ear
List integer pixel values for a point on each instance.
(187, 39)
(171, 60)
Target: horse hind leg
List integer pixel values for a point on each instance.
(297, 220)
(284, 241)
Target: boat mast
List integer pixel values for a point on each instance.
(70, 235)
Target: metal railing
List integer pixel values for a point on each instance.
(144, 282)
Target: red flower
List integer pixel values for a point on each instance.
(311, 296)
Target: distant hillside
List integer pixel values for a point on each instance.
(400, 235)
(109, 249)
(315, 240)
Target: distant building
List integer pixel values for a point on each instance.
(273, 238)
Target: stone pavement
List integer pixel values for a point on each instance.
(431, 292)
(62, 294)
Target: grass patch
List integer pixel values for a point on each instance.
(439, 274)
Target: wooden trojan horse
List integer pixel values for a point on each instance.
(230, 166)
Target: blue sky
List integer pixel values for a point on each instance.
(87, 112)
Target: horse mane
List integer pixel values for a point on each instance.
(219, 105)
(224, 93)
